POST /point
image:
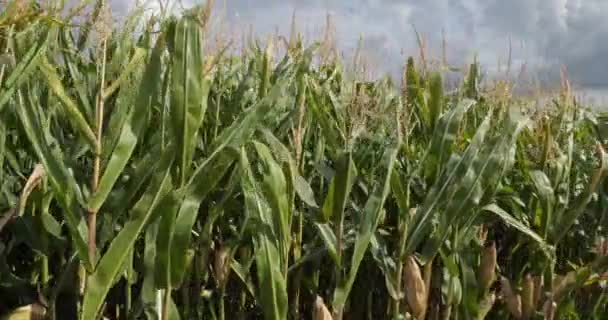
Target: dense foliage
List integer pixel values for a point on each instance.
(145, 177)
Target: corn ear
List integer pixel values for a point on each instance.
(487, 267)
(561, 284)
(538, 289)
(320, 310)
(512, 299)
(549, 309)
(415, 289)
(601, 247)
(527, 297)
(34, 311)
(221, 265)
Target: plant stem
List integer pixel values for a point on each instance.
(339, 230)
(402, 225)
(221, 307)
(396, 302)
(99, 110)
(447, 312)
(44, 272)
(166, 302)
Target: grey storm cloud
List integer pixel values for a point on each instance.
(546, 33)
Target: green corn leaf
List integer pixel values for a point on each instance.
(22, 71)
(2, 148)
(331, 129)
(272, 278)
(51, 225)
(472, 81)
(167, 210)
(62, 182)
(568, 218)
(329, 239)
(480, 177)
(148, 288)
(70, 108)
(444, 136)
(370, 219)
(5, 60)
(387, 264)
(546, 197)
(339, 189)
(70, 59)
(132, 129)
(304, 191)
(208, 174)
(435, 99)
(446, 183)
(242, 271)
(136, 60)
(204, 180)
(283, 155)
(412, 82)
(275, 189)
(511, 221)
(100, 282)
(189, 90)
(400, 193)
(139, 174)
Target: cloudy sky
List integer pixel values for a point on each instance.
(543, 33)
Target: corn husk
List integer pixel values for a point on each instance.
(33, 311)
(320, 311)
(221, 265)
(562, 283)
(527, 297)
(511, 298)
(601, 246)
(483, 233)
(549, 309)
(415, 289)
(538, 289)
(487, 267)
(412, 212)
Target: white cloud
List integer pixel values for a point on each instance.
(543, 32)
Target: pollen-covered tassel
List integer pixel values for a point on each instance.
(320, 310)
(512, 299)
(527, 297)
(415, 289)
(487, 267)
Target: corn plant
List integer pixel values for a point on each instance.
(146, 175)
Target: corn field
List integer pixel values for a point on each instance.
(145, 176)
